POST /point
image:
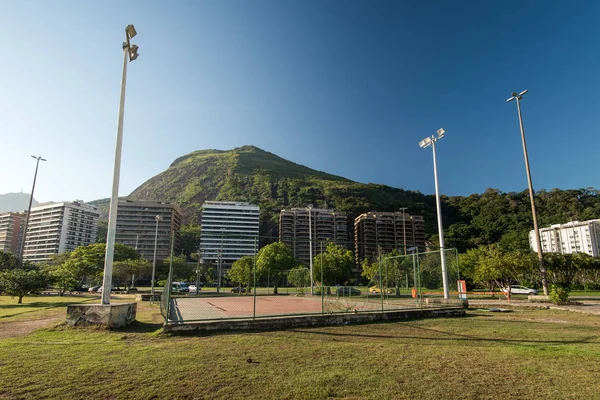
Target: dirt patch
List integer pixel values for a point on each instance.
(23, 328)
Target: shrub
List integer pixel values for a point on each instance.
(559, 294)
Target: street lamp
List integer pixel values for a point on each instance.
(130, 53)
(519, 97)
(158, 218)
(404, 227)
(37, 164)
(310, 250)
(430, 141)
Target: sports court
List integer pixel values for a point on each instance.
(195, 309)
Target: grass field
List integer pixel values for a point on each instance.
(523, 354)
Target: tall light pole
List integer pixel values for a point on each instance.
(536, 230)
(130, 53)
(404, 227)
(310, 250)
(158, 218)
(430, 141)
(37, 164)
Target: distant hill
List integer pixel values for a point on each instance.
(251, 174)
(15, 202)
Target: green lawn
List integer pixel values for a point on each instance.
(523, 354)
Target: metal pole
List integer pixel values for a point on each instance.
(154, 259)
(170, 279)
(380, 277)
(404, 228)
(310, 250)
(322, 287)
(114, 199)
(440, 225)
(532, 198)
(254, 300)
(38, 158)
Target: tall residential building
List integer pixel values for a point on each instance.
(572, 237)
(56, 228)
(11, 232)
(388, 231)
(137, 227)
(325, 224)
(229, 231)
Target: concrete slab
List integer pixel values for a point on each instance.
(109, 315)
(287, 322)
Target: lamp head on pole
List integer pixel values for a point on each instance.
(518, 96)
(130, 30)
(132, 49)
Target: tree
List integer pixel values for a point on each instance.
(241, 271)
(335, 264)
(370, 270)
(89, 260)
(272, 260)
(8, 261)
(20, 281)
(563, 269)
(189, 240)
(299, 277)
(503, 267)
(125, 271)
(63, 272)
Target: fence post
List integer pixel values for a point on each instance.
(380, 279)
(322, 287)
(254, 286)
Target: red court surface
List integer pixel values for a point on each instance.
(193, 309)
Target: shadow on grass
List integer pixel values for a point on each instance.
(140, 327)
(40, 306)
(438, 335)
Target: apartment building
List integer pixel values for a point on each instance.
(572, 237)
(295, 227)
(140, 223)
(56, 228)
(11, 232)
(229, 231)
(387, 231)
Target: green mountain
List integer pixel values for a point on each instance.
(250, 174)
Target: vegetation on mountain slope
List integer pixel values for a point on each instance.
(250, 174)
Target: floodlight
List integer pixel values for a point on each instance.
(130, 30)
(425, 142)
(441, 132)
(133, 52)
(523, 92)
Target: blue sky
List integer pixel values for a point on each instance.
(347, 87)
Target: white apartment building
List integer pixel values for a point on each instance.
(11, 225)
(572, 237)
(56, 228)
(229, 231)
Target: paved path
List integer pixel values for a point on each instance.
(586, 306)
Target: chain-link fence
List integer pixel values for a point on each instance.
(304, 278)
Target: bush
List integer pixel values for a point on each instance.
(559, 294)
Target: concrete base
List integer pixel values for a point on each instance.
(313, 320)
(147, 297)
(539, 299)
(109, 315)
